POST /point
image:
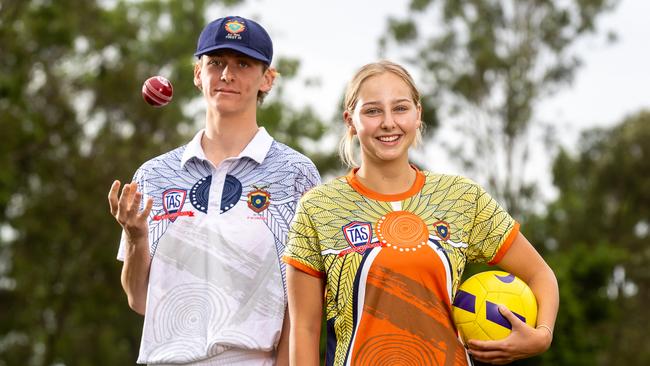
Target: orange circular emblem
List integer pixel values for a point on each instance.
(402, 230)
(234, 27)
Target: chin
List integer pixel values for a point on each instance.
(389, 158)
(222, 107)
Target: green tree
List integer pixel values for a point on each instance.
(594, 235)
(73, 120)
(488, 63)
(600, 226)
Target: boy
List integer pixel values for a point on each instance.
(201, 259)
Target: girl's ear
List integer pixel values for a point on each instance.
(347, 118)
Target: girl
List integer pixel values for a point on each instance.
(386, 245)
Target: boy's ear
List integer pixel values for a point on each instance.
(269, 78)
(197, 74)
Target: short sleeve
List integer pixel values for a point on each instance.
(307, 179)
(303, 248)
(492, 231)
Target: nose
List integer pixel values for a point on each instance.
(226, 75)
(388, 122)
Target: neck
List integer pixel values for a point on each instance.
(227, 135)
(393, 177)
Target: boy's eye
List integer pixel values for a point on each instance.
(243, 64)
(215, 62)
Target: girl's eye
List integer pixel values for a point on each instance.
(401, 108)
(372, 111)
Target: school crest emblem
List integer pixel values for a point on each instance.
(173, 201)
(359, 236)
(233, 28)
(259, 199)
(442, 229)
(357, 233)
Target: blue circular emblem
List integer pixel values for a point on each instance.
(200, 194)
(232, 189)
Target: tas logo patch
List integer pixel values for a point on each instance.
(173, 201)
(357, 233)
(359, 237)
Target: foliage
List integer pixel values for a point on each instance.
(487, 64)
(591, 240)
(594, 235)
(600, 227)
(73, 120)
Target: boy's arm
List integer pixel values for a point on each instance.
(305, 310)
(137, 261)
(282, 356)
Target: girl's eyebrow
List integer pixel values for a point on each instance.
(374, 102)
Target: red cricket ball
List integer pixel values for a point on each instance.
(157, 91)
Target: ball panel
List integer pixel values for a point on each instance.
(466, 301)
(511, 301)
(529, 303)
(476, 332)
(462, 316)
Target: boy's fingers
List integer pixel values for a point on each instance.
(133, 189)
(135, 205)
(147, 209)
(124, 195)
(112, 197)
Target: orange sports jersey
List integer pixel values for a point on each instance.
(392, 264)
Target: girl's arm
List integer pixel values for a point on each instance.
(523, 261)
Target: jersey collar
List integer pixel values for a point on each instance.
(256, 149)
(367, 192)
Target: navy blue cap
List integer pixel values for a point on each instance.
(236, 33)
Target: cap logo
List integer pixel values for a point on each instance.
(233, 28)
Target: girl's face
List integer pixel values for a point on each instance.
(385, 118)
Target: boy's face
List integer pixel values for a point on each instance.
(230, 80)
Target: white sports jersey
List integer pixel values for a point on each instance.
(216, 234)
